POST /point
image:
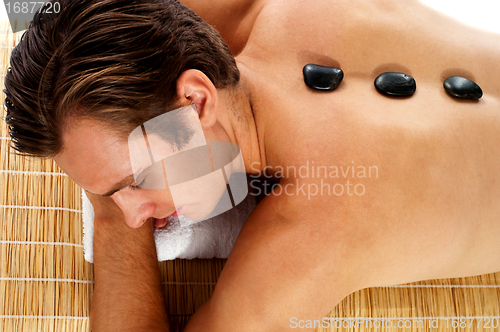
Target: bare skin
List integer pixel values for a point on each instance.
(432, 212)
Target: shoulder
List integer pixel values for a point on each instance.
(234, 19)
(281, 267)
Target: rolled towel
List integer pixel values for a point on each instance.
(183, 237)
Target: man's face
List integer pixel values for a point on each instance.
(97, 160)
(136, 173)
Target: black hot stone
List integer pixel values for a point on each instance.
(461, 87)
(395, 84)
(322, 78)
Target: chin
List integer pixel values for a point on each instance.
(197, 216)
(198, 212)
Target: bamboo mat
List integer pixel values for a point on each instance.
(45, 284)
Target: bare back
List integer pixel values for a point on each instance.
(432, 208)
(433, 211)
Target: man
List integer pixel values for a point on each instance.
(429, 209)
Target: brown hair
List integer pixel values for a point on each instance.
(116, 61)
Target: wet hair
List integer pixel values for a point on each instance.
(115, 61)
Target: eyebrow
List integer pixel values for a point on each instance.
(120, 185)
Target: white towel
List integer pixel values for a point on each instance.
(183, 237)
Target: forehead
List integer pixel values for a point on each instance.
(93, 155)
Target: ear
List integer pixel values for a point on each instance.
(194, 87)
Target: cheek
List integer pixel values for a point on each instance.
(161, 198)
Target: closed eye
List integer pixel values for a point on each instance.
(134, 187)
(138, 186)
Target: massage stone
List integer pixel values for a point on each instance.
(461, 87)
(395, 84)
(322, 78)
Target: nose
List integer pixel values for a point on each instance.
(136, 208)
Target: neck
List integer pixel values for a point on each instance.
(244, 127)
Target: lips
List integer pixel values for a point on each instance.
(160, 223)
(178, 212)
